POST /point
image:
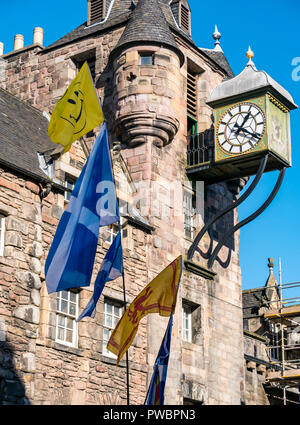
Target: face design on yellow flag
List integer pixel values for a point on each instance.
(74, 112)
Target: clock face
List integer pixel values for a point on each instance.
(241, 128)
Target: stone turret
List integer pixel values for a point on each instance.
(146, 64)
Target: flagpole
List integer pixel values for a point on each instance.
(127, 358)
(125, 302)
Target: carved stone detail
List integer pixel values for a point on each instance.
(137, 128)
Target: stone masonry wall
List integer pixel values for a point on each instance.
(33, 367)
(255, 372)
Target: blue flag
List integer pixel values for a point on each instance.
(93, 204)
(156, 391)
(111, 268)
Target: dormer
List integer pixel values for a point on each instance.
(97, 10)
(182, 14)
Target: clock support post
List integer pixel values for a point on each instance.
(194, 246)
(248, 219)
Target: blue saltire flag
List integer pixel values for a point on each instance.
(93, 204)
(156, 390)
(111, 268)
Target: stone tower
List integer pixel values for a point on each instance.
(146, 63)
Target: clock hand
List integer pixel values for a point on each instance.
(256, 135)
(240, 126)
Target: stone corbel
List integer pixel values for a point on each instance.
(138, 128)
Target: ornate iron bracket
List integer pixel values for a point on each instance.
(195, 245)
(248, 219)
(212, 256)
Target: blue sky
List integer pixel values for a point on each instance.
(271, 28)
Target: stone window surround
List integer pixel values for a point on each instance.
(69, 184)
(109, 233)
(60, 313)
(186, 322)
(193, 68)
(88, 56)
(195, 312)
(146, 54)
(64, 170)
(6, 211)
(2, 233)
(189, 212)
(117, 307)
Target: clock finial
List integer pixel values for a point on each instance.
(216, 36)
(250, 55)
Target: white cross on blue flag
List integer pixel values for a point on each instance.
(111, 268)
(93, 204)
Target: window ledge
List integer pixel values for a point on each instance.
(58, 346)
(256, 336)
(112, 361)
(191, 346)
(199, 270)
(68, 349)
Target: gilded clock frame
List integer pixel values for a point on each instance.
(262, 134)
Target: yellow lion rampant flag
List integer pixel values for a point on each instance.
(77, 112)
(159, 296)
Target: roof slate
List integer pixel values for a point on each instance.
(252, 300)
(220, 58)
(148, 24)
(120, 13)
(23, 133)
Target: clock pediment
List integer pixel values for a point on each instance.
(249, 81)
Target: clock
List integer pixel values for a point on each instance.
(251, 124)
(241, 128)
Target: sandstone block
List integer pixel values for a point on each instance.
(14, 223)
(9, 185)
(31, 213)
(35, 265)
(27, 362)
(13, 239)
(29, 313)
(35, 297)
(32, 187)
(36, 250)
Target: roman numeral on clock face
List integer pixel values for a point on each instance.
(241, 128)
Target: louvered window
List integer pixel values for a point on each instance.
(192, 94)
(96, 11)
(185, 18)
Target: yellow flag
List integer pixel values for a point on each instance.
(159, 296)
(77, 112)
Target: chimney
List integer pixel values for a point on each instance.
(38, 35)
(1, 48)
(19, 42)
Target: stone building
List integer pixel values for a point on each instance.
(265, 357)
(153, 82)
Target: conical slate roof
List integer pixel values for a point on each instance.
(148, 25)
